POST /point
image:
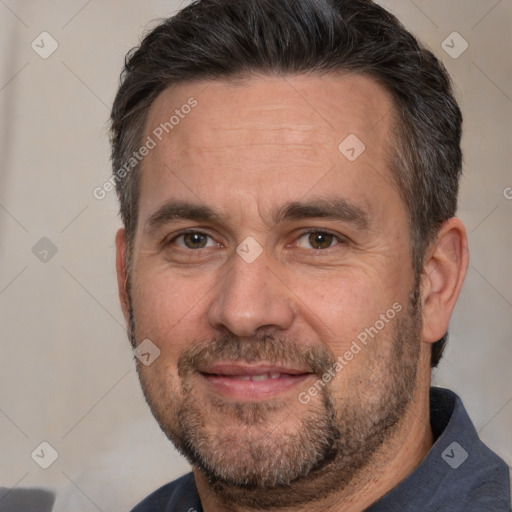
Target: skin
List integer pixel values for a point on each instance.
(249, 147)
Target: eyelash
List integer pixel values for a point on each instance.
(339, 238)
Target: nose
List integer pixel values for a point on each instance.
(250, 298)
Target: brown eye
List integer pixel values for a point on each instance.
(317, 240)
(193, 240)
(320, 240)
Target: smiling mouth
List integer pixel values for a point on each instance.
(254, 378)
(252, 382)
(255, 372)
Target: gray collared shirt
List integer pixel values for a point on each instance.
(459, 474)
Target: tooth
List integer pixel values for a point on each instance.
(264, 376)
(275, 375)
(243, 377)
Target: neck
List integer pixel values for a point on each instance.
(391, 464)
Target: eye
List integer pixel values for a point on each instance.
(193, 240)
(317, 240)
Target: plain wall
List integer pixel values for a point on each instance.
(67, 375)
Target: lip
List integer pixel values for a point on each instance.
(252, 382)
(233, 368)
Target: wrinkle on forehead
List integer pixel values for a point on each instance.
(267, 107)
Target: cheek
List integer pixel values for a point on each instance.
(340, 305)
(168, 313)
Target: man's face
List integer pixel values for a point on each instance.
(265, 259)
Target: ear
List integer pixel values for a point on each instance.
(121, 272)
(444, 270)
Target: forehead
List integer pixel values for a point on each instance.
(262, 137)
(329, 105)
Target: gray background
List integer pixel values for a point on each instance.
(66, 370)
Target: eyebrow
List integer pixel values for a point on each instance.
(180, 210)
(332, 208)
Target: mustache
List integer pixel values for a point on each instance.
(274, 349)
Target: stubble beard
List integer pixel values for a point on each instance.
(256, 462)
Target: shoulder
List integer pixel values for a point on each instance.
(459, 474)
(475, 477)
(488, 490)
(181, 494)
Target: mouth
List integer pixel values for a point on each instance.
(255, 382)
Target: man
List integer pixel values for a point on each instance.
(288, 175)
